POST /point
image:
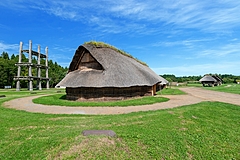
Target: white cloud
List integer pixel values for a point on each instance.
(63, 49)
(221, 51)
(10, 48)
(61, 12)
(189, 42)
(201, 69)
(129, 7)
(219, 16)
(201, 15)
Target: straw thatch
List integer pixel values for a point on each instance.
(211, 80)
(94, 68)
(219, 80)
(208, 78)
(163, 81)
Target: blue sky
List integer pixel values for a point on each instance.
(187, 37)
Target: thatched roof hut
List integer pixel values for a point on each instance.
(211, 80)
(101, 72)
(163, 81)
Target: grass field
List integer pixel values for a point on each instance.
(194, 85)
(230, 88)
(171, 91)
(60, 100)
(208, 130)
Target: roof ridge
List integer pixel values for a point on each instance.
(105, 45)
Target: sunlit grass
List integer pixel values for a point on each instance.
(60, 100)
(170, 91)
(208, 130)
(230, 88)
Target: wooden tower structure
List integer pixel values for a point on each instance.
(30, 65)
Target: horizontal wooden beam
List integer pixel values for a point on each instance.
(31, 64)
(36, 53)
(16, 78)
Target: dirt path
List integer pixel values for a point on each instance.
(194, 95)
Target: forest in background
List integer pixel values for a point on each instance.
(56, 73)
(8, 70)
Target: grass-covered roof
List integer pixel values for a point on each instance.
(102, 44)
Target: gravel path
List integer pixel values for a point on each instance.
(193, 96)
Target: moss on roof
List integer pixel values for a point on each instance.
(105, 45)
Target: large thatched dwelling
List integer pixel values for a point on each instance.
(102, 72)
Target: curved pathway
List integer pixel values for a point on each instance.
(193, 96)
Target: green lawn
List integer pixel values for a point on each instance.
(194, 85)
(170, 91)
(230, 88)
(208, 130)
(60, 100)
(13, 92)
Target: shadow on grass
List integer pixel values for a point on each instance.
(64, 97)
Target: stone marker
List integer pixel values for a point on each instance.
(99, 132)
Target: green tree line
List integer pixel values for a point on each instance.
(227, 78)
(8, 70)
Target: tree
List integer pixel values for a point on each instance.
(4, 55)
(13, 57)
(171, 76)
(8, 70)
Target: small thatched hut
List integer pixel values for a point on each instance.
(211, 80)
(163, 83)
(102, 72)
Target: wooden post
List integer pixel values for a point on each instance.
(19, 67)
(39, 69)
(30, 67)
(46, 51)
(152, 91)
(154, 88)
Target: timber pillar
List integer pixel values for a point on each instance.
(46, 64)
(30, 66)
(39, 69)
(19, 67)
(30, 83)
